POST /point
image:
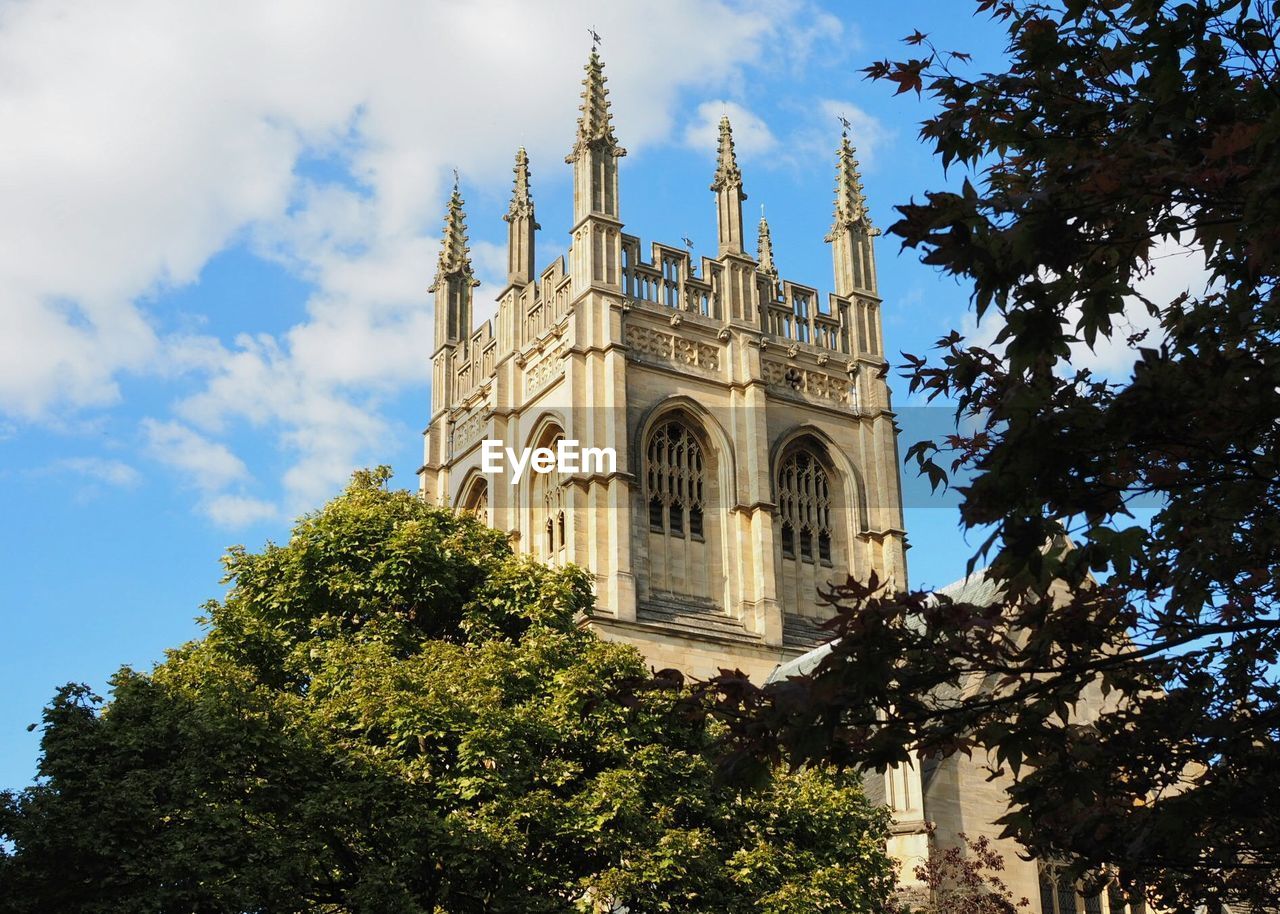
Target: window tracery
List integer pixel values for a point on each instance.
(550, 508)
(680, 506)
(675, 482)
(1059, 895)
(804, 506)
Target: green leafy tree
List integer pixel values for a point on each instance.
(394, 713)
(1114, 130)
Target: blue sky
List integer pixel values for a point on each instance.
(220, 222)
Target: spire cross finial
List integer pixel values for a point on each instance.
(688, 242)
(455, 180)
(844, 123)
(595, 39)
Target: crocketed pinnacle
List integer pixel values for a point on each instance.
(595, 125)
(728, 174)
(521, 197)
(764, 248)
(455, 255)
(851, 204)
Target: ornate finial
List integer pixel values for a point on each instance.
(851, 204)
(688, 242)
(595, 126)
(844, 124)
(455, 180)
(595, 39)
(764, 248)
(521, 197)
(727, 172)
(455, 255)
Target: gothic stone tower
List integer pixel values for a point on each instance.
(755, 440)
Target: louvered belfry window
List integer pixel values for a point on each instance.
(804, 505)
(675, 482)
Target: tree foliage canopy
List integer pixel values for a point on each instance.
(1118, 129)
(394, 713)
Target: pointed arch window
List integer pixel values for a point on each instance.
(554, 525)
(1066, 897)
(550, 508)
(675, 482)
(1059, 895)
(476, 499)
(804, 505)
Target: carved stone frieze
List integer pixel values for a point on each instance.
(656, 345)
(544, 371)
(468, 430)
(808, 382)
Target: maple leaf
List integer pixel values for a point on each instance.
(908, 76)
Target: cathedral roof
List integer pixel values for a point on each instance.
(977, 589)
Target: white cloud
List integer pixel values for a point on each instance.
(142, 137)
(811, 143)
(208, 465)
(751, 135)
(239, 510)
(867, 132)
(1176, 268)
(90, 470)
(839, 42)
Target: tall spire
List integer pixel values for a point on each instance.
(851, 230)
(851, 203)
(455, 255)
(520, 225)
(727, 172)
(595, 125)
(454, 278)
(764, 249)
(521, 198)
(595, 255)
(729, 195)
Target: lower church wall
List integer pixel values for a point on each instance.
(959, 798)
(698, 659)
